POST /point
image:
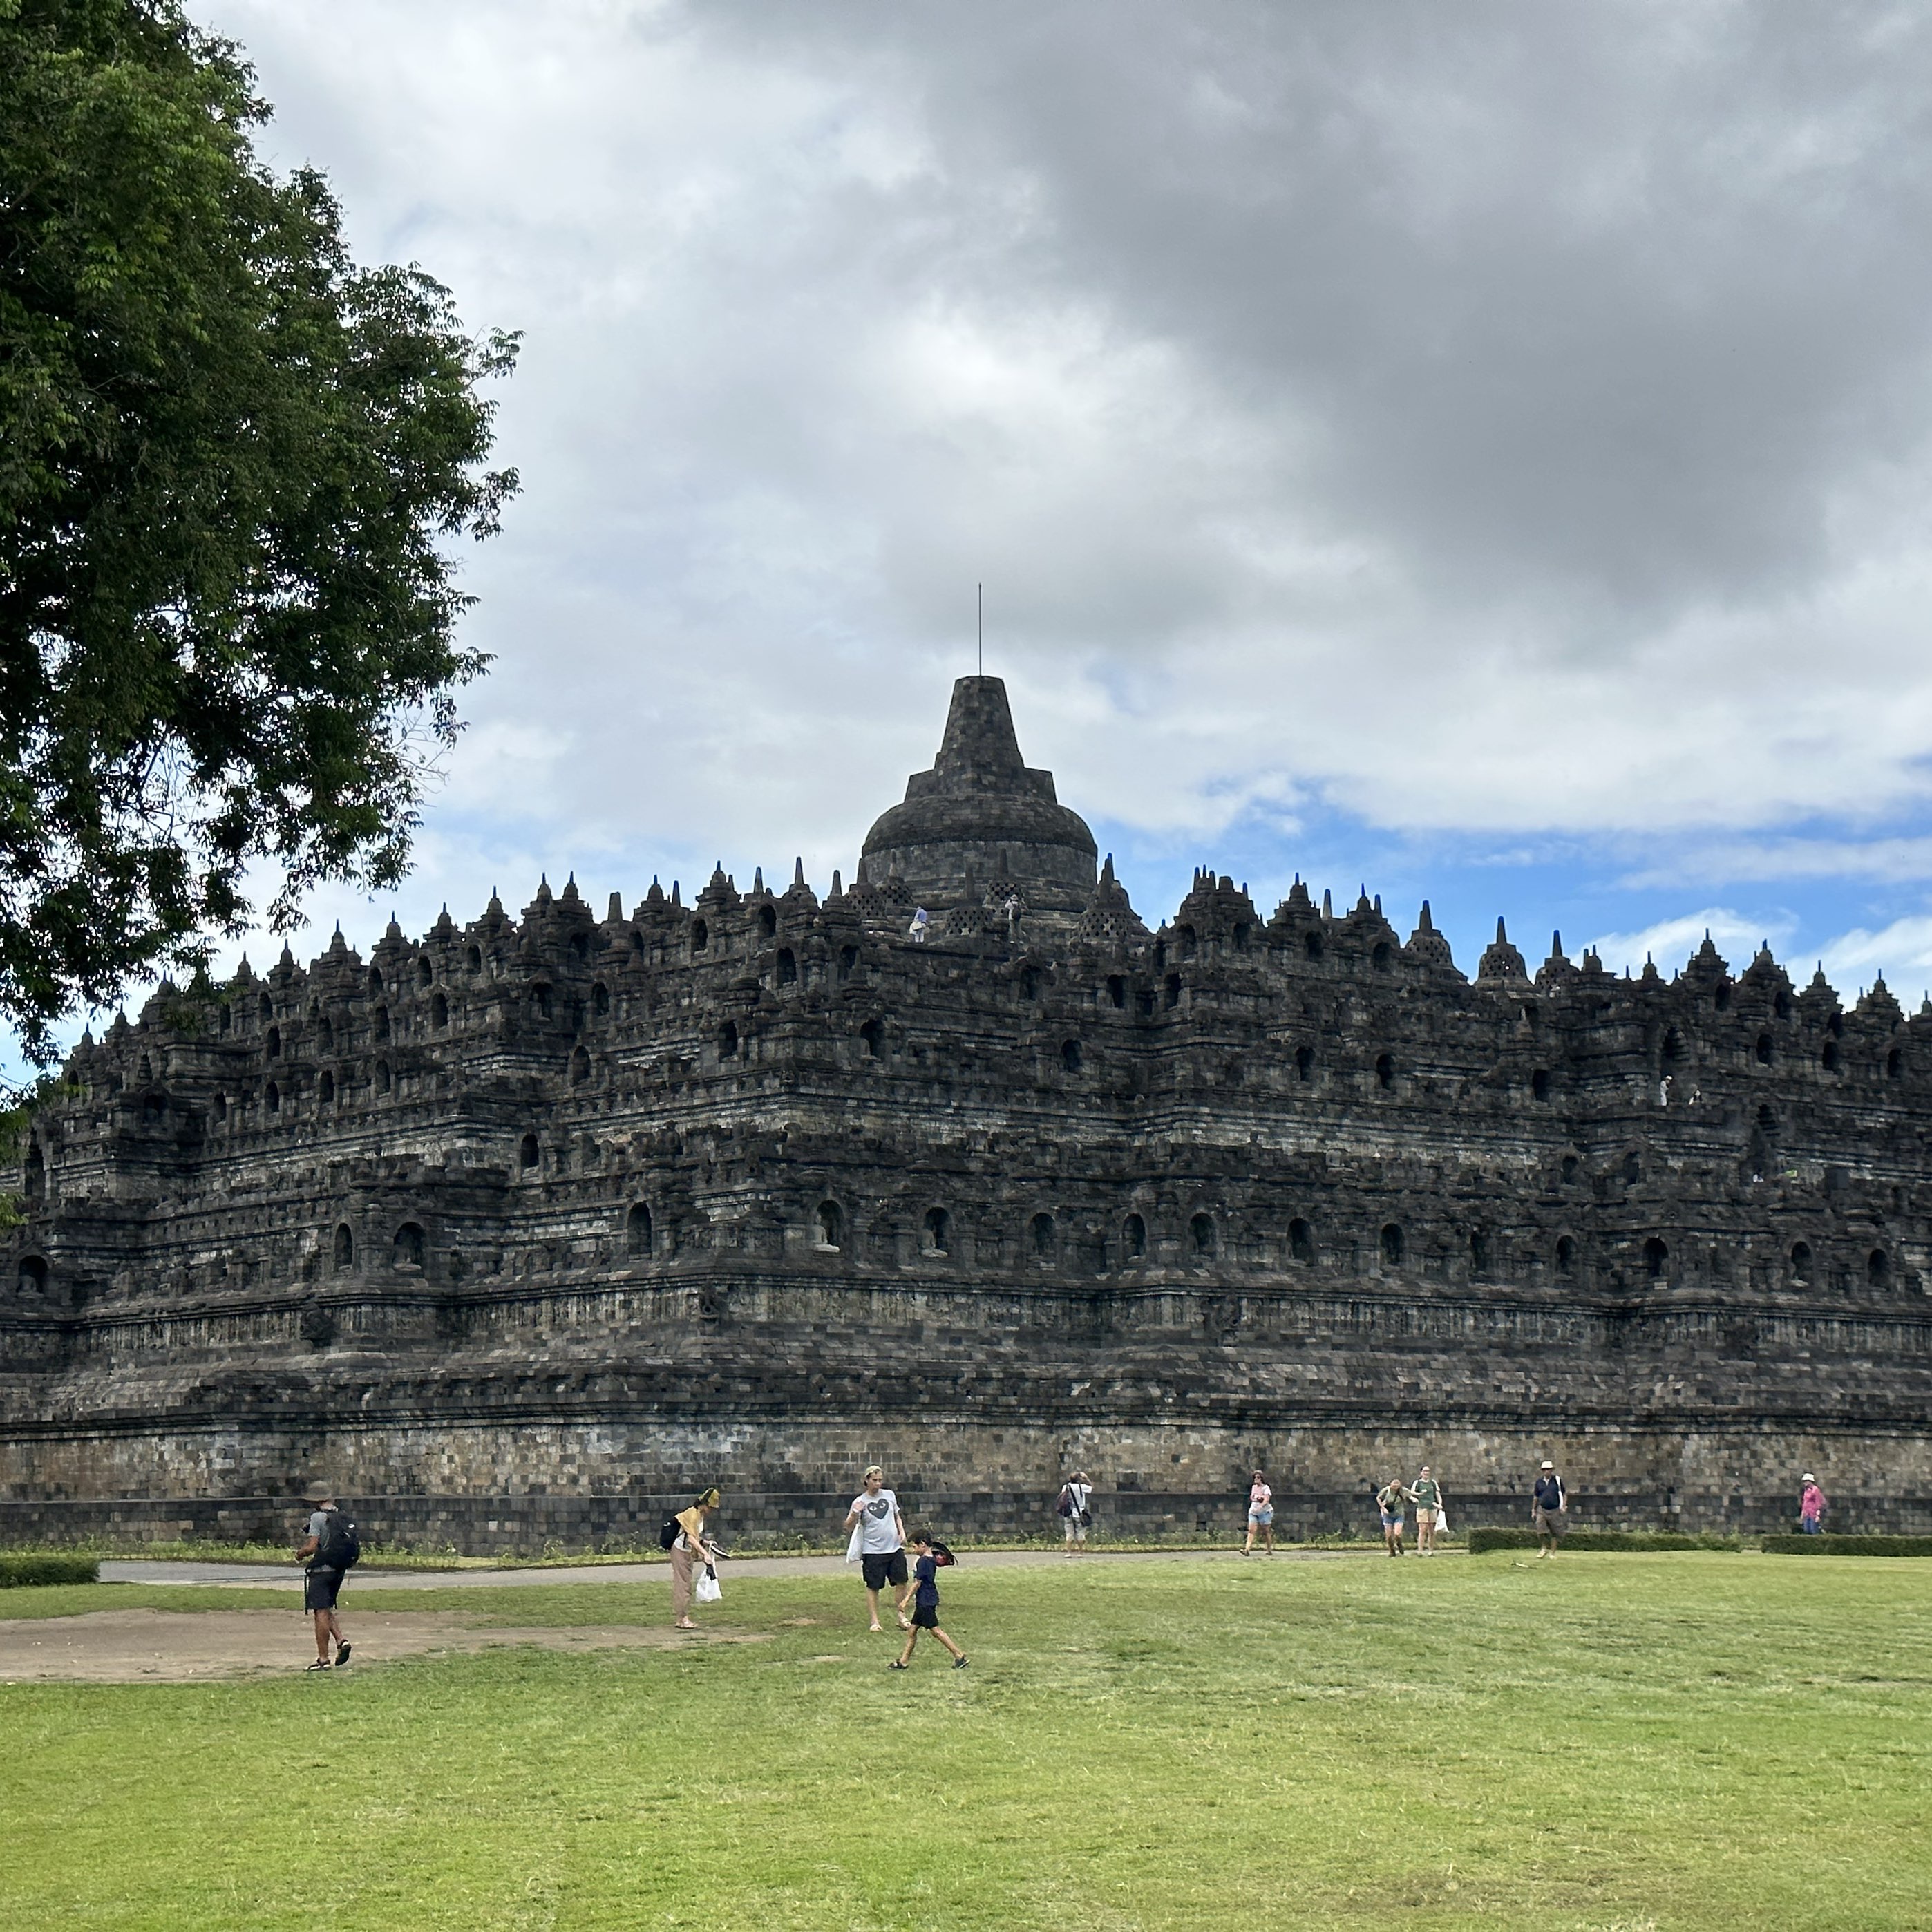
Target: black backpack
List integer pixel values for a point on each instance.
(669, 1533)
(340, 1547)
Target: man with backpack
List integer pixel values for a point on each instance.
(332, 1550)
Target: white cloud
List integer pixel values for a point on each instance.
(1901, 951)
(1885, 861)
(1509, 429)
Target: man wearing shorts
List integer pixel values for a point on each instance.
(1547, 1509)
(321, 1586)
(1075, 1493)
(877, 1532)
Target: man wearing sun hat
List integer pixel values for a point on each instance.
(1547, 1509)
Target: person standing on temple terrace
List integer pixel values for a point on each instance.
(1390, 1499)
(1260, 1514)
(1076, 1494)
(933, 1556)
(689, 1549)
(331, 1550)
(1428, 1494)
(878, 1543)
(1811, 1505)
(1548, 1506)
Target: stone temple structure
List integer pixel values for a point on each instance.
(521, 1229)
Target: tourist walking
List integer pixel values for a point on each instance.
(1076, 1494)
(1428, 1494)
(878, 1543)
(1548, 1507)
(1390, 1499)
(931, 1556)
(1260, 1514)
(1811, 1505)
(331, 1550)
(691, 1550)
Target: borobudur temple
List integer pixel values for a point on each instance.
(517, 1230)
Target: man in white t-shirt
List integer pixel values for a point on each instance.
(878, 1532)
(1076, 1496)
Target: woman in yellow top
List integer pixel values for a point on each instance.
(692, 1546)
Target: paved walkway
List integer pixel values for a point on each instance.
(268, 1576)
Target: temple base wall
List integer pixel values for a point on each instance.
(480, 1490)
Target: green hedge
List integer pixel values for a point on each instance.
(21, 1567)
(1629, 1540)
(1849, 1545)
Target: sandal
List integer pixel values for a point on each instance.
(959, 1663)
(342, 1655)
(320, 1663)
(899, 1666)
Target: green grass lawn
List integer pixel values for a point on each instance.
(1605, 1742)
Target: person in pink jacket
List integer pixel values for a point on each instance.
(1810, 1505)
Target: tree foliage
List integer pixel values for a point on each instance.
(232, 465)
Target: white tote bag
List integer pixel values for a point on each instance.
(707, 1590)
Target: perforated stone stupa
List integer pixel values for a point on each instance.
(517, 1230)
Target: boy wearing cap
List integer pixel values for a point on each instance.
(1547, 1509)
(321, 1586)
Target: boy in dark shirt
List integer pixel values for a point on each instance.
(926, 1601)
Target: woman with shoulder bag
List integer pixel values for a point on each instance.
(692, 1549)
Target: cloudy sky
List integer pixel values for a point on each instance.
(1482, 452)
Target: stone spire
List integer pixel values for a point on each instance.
(1428, 947)
(1556, 970)
(1109, 917)
(1501, 963)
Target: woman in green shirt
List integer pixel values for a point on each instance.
(1428, 1494)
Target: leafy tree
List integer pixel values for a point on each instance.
(232, 465)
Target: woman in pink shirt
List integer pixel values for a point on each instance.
(1810, 1505)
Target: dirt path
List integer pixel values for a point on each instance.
(189, 1646)
(267, 1575)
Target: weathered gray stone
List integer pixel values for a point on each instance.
(521, 1230)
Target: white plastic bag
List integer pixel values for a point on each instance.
(1442, 1522)
(707, 1590)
